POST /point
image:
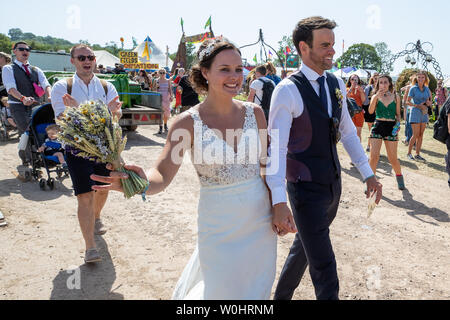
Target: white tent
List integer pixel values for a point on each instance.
(341, 74)
(447, 83)
(361, 73)
(148, 52)
(106, 59)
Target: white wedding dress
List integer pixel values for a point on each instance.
(236, 252)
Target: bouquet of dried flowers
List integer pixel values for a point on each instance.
(96, 133)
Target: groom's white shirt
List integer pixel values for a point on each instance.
(287, 104)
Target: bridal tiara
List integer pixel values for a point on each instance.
(207, 51)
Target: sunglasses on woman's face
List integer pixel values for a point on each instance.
(24, 49)
(83, 58)
(162, 73)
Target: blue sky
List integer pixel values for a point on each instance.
(394, 22)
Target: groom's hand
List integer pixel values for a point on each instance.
(282, 220)
(374, 186)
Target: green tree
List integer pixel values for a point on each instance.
(385, 55)
(286, 41)
(362, 56)
(191, 55)
(5, 43)
(403, 79)
(15, 34)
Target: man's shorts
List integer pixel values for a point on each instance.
(80, 170)
(383, 130)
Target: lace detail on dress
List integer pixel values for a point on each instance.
(216, 162)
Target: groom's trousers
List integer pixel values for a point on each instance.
(314, 207)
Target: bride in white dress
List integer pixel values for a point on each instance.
(235, 256)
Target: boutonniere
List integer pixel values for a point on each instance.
(340, 97)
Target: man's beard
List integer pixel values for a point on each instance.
(320, 62)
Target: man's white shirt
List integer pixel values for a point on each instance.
(81, 93)
(10, 82)
(287, 104)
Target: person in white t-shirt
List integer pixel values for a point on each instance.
(85, 86)
(256, 87)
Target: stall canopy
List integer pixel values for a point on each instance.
(106, 59)
(148, 52)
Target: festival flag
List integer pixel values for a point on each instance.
(205, 36)
(255, 59)
(208, 23)
(288, 50)
(362, 63)
(339, 65)
(182, 22)
(270, 55)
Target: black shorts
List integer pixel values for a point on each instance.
(367, 116)
(383, 130)
(80, 170)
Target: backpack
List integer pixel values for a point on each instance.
(267, 91)
(441, 126)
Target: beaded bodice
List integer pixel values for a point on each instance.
(216, 161)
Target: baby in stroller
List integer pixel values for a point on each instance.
(51, 146)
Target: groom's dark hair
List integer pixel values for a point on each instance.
(304, 30)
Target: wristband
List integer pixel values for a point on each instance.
(23, 98)
(143, 194)
(364, 181)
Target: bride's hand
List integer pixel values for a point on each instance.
(282, 220)
(113, 181)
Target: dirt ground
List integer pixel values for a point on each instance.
(401, 252)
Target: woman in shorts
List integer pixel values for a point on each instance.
(385, 104)
(419, 98)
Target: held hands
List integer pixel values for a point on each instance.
(282, 220)
(113, 181)
(374, 186)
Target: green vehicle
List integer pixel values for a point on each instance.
(140, 107)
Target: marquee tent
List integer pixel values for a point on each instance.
(106, 59)
(148, 52)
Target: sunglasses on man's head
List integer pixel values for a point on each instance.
(83, 58)
(24, 49)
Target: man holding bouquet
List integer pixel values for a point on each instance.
(85, 86)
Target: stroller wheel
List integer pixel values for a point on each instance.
(27, 175)
(51, 183)
(42, 184)
(59, 173)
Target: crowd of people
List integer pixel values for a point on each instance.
(243, 205)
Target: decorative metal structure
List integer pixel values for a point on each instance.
(263, 48)
(424, 57)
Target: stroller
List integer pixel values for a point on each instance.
(42, 117)
(5, 127)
